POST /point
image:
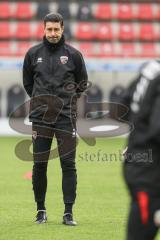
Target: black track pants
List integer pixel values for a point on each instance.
(141, 224)
(66, 141)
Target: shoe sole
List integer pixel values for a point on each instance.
(72, 225)
(44, 221)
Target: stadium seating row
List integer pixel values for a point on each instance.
(122, 31)
(85, 31)
(120, 50)
(82, 11)
(20, 30)
(90, 49)
(127, 11)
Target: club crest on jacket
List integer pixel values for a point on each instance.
(64, 59)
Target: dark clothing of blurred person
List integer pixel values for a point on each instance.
(54, 76)
(142, 158)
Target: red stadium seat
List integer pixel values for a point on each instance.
(148, 50)
(126, 31)
(39, 33)
(127, 50)
(157, 14)
(6, 30)
(22, 48)
(85, 31)
(125, 11)
(106, 50)
(24, 10)
(103, 11)
(145, 11)
(5, 10)
(147, 32)
(24, 30)
(103, 31)
(87, 48)
(5, 49)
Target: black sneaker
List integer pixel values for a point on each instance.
(41, 217)
(68, 220)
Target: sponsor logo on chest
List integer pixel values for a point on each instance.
(39, 60)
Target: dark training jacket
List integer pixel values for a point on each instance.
(142, 159)
(54, 75)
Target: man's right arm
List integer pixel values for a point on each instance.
(28, 75)
(154, 123)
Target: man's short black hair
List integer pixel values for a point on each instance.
(53, 17)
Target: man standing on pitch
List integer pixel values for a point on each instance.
(54, 75)
(142, 157)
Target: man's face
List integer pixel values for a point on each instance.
(53, 31)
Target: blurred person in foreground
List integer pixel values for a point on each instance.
(54, 76)
(142, 155)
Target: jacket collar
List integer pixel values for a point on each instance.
(53, 46)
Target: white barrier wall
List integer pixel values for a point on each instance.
(104, 73)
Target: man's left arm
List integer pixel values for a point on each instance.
(81, 76)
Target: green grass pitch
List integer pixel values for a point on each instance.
(102, 200)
